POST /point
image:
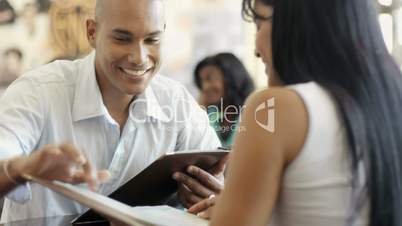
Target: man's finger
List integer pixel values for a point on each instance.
(192, 184)
(81, 177)
(73, 153)
(192, 199)
(219, 167)
(202, 206)
(205, 178)
(181, 195)
(205, 215)
(90, 175)
(103, 176)
(187, 198)
(78, 178)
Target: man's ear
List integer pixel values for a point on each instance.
(91, 32)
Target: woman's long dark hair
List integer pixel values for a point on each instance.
(338, 44)
(238, 83)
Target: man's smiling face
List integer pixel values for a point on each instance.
(127, 36)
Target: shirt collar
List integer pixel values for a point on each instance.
(147, 104)
(88, 102)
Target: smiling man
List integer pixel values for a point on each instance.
(111, 105)
(127, 37)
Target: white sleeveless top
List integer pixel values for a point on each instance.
(316, 187)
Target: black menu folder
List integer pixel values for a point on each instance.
(154, 185)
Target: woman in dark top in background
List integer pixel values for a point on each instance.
(7, 13)
(225, 84)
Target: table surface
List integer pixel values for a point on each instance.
(49, 221)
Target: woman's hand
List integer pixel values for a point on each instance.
(204, 208)
(63, 163)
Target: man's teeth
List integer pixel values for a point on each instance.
(135, 72)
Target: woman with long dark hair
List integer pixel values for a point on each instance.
(334, 156)
(225, 84)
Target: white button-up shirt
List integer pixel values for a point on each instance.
(61, 102)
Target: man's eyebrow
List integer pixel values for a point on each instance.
(155, 33)
(122, 31)
(128, 33)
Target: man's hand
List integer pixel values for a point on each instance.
(204, 208)
(198, 184)
(63, 163)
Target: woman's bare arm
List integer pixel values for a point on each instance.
(260, 157)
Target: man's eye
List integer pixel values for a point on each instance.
(121, 39)
(153, 40)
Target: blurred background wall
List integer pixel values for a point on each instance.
(34, 32)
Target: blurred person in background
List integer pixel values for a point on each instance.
(11, 67)
(44, 5)
(225, 85)
(67, 35)
(31, 28)
(7, 13)
(29, 16)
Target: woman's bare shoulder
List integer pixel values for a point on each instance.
(278, 116)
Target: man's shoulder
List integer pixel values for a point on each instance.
(57, 72)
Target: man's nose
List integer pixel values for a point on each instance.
(138, 55)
